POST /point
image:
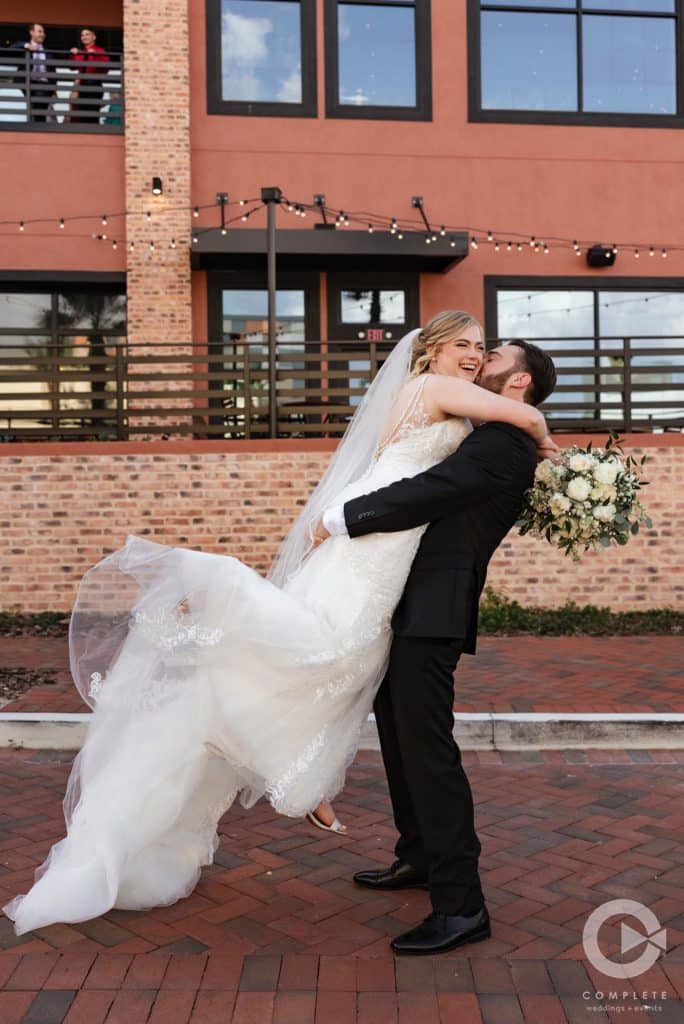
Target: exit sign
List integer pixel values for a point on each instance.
(375, 334)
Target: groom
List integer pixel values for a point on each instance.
(471, 500)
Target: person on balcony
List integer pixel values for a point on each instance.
(86, 97)
(32, 78)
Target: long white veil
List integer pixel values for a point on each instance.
(352, 459)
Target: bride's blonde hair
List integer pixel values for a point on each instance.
(444, 327)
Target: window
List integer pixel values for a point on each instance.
(261, 57)
(378, 59)
(58, 350)
(618, 349)
(611, 62)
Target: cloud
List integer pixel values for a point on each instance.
(358, 98)
(243, 40)
(291, 88)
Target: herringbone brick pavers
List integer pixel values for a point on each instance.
(277, 932)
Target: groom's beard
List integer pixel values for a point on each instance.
(495, 382)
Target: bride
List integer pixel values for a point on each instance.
(207, 681)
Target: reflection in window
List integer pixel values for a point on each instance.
(653, 321)
(261, 51)
(377, 55)
(24, 309)
(379, 306)
(542, 317)
(245, 338)
(591, 368)
(528, 62)
(67, 343)
(627, 63)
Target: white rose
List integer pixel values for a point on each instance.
(579, 489)
(560, 503)
(605, 513)
(580, 462)
(606, 472)
(543, 472)
(603, 492)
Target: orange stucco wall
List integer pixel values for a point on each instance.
(592, 183)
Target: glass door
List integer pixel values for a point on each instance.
(367, 314)
(239, 377)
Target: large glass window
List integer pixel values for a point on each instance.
(619, 352)
(58, 355)
(588, 61)
(378, 59)
(261, 57)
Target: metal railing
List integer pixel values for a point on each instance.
(112, 390)
(63, 89)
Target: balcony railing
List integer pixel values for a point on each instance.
(116, 390)
(62, 91)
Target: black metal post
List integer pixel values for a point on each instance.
(271, 197)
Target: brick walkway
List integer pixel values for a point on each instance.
(277, 933)
(637, 674)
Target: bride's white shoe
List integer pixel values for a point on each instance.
(336, 826)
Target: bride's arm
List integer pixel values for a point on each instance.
(456, 397)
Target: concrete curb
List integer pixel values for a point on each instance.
(486, 731)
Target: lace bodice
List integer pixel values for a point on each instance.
(414, 417)
(416, 437)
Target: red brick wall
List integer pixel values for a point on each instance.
(63, 507)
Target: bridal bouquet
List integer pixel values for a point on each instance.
(588, 499)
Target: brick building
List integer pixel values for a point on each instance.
(134, 347)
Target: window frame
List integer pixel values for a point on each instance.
(340, 280)
(476, 112)
(422, 111)
(216, 104)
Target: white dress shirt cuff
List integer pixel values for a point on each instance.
(333, 521)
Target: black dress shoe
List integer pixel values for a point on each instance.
(399, 876)
(440, 932)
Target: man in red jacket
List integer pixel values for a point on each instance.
(89, 61)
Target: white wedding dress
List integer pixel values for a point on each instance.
(245, 688)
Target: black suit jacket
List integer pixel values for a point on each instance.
(20, 76)
(471, 501)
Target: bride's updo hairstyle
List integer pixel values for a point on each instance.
(446, 326)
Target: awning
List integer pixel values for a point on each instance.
(337, 249)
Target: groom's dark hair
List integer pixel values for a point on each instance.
(539, 365)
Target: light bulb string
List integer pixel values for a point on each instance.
(369, 220)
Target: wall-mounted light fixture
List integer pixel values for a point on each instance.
(157, 187)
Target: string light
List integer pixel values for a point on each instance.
(374, 222)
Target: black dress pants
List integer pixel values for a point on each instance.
(431, 796)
